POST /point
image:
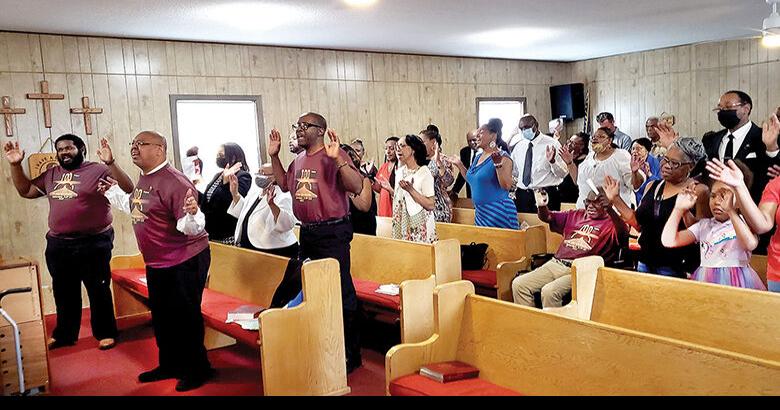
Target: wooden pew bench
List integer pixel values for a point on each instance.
(377, 261)
(521, 350)
(508, 252)
(737, 320)
(312, 365)
(466, 216)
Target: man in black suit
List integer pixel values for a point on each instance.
(467, 154)
(741, 139)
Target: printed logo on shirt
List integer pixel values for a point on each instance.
(137, 206)
(65, 188)
(307, 181)
(583, 238)
(717, 243)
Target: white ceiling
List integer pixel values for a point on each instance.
(562, 30)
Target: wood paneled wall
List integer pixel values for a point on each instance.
(685, 81)
(366, 95)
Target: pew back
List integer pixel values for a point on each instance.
(245, 274)
(553, 240)
(538, 353)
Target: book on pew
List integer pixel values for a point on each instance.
(449, 371)
(245, 312)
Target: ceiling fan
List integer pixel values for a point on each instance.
(771, 29)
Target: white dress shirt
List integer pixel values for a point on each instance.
(262, 231)
(188, 224)
(739, 137)
(543, 173)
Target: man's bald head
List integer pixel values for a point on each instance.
(154, 137)
(267, 169)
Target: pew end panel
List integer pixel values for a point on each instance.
(126, 303)
(447, 266)
(505, 273)
(417, 309)
(583, 286)
(302, 348)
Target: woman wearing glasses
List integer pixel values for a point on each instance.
(413, 202)
(657, 205)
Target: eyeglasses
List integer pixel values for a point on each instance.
(138, 144)
(731, 107)
(672, 163)
(303, 126)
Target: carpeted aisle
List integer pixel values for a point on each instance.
(83, 370)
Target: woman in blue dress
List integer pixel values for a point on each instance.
(490, 178)
(642, 159)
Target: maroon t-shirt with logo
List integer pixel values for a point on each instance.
(584, 236)
(76, 208)
(313, 181)
(156, 205)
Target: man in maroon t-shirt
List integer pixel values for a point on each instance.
(595, 230)
(320, 178)
(170, 230)
(80, 237)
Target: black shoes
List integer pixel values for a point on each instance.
(188, 383)
(155, 375)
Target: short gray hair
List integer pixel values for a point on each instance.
(692, 148)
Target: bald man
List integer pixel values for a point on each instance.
(170, 230)
(467, 154)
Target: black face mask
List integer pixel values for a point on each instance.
(728, 118)
(78, 159)
(221, 162)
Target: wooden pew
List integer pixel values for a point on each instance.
(737, 320)
(537, 353)
(466, 217)
(758, 263)
(509, 251)
(291, 364)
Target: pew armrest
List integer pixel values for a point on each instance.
(505, 272)
(570, 310)
(127, 262)
(408, 358)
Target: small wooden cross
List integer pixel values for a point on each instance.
(86, 110)
(8, 112)
(45, 97)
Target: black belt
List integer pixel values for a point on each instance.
(325, 223)
(563, 262)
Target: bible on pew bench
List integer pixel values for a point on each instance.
(449, 371)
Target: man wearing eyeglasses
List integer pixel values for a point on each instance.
(740, 139)
(80, 237)
(319, 179)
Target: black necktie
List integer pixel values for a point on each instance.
(729, 148)
(529, 156)
(244, 241)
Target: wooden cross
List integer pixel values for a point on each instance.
(8, 112)
(86, 110)
(45, 97)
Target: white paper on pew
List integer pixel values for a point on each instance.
(391, 289)
(143, 279)
(251, 324)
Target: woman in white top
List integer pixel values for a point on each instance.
(414, 199)
(265, 216)
(605, 159)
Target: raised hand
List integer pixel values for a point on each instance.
(332, 146)
(773, 171)
(104, 184)
(274, 143)
(729, 175)
(13, 153)
(771, 129)
(496, 157)
(550, 154)
(636, 163)
(566, 155)
(686, 199)
(230, 171)
(233, 181)
(611, 188)
(666, 133)
(104, 152)
(384, 183)
(190, 203)
(727, 203)
(270, 194)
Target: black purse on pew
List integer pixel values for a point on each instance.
(473, 256)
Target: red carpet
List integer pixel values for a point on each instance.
(83, 370)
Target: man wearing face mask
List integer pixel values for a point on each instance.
(265, 216)
(538, 165)
(80, 237)
(740, 139)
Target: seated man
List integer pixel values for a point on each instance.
(595, 230)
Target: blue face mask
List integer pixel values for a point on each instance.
(529, 133)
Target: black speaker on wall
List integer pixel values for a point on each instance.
(568, 101)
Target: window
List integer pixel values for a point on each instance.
(207, 122)
(509, 110)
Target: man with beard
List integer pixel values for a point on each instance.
(80, 236)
